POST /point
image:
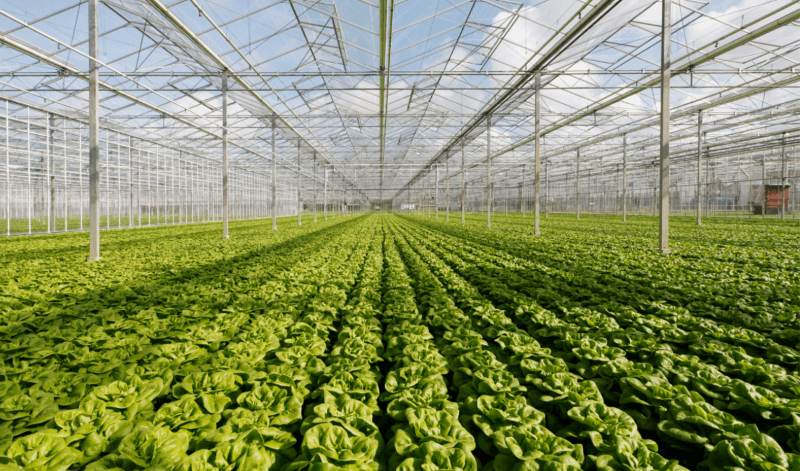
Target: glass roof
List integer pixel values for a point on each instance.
(386, 91)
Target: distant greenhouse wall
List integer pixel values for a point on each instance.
(44, 179)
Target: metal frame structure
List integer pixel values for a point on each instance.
(384, 94)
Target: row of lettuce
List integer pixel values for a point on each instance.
(745, 275)
(382, 343)
(198, 388)
(506, 391)
(706, 401)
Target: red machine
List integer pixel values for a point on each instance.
(777, 196)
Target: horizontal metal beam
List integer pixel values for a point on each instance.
(424, 73)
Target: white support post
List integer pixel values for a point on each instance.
(666, 42)
(436, 196)
(505, 203)
(28, 201)
(546, 192)
(8, 179)
(80, 175)
(522, 192)
(315, 186)
(783, 177)
(325, 195)
(489, 172)
(94, 136)
(624, 178)
(66, 188)
(225, 234)
(139, 185)
(578, 186)
(299, 199)
(463, 185)
(108, 177)
(447, 188)
(51, 172)
(119, 185)
(699, 165)
(130, 181)
(763, 186)
(274, 179)
(537, 151)
(158, 188)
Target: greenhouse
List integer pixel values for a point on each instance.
(399, 235)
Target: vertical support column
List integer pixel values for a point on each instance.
(426, 194)
(315, 186)
(299, 201)
(447, 188)
(130, 180)
(763, 186)
(108, 177)
(506, 198)
(522, 193)
(28, 201)
(46, 206)
(149, 188)
(94, 138)
(8, 179)
(666, 41)
(325, 195)
(699, 164)
(80, 175)
(578, 186)
(274, 178)
(617, 201)
(51, 170)
(536, 151)
(655, 196)
(708, 183)
(546, 192)
(138, 185)
(119, 185)
(225, 154)
(624, 178)
(463, 185)
(192, 173)
(177, 187)
(436, 195)
(783, 200)
(489, 172)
